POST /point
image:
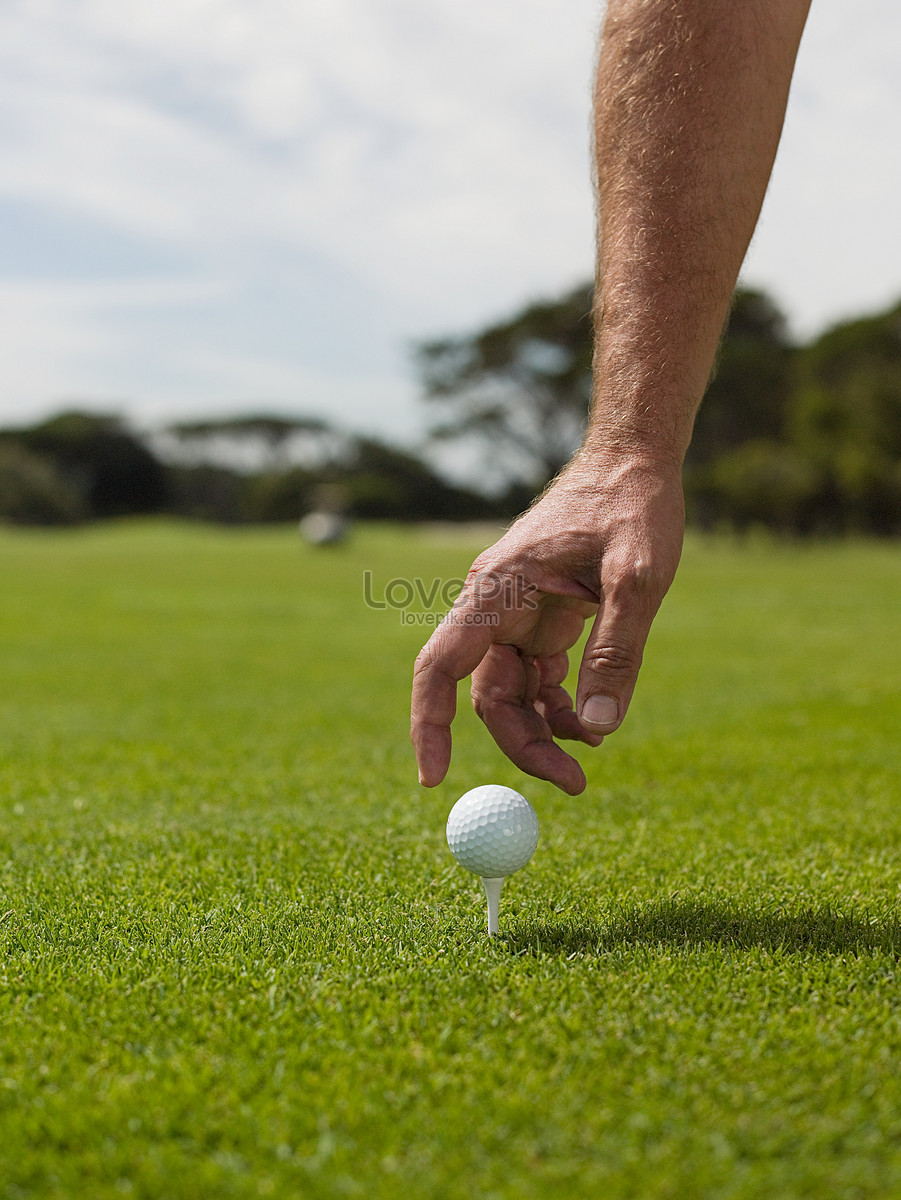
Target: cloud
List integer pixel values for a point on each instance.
(56, 334)
(447, 147)
(829, 241)
(431, 161)
(85, 345)
(235, 383)
(345, 175)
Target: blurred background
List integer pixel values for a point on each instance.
(254, 253)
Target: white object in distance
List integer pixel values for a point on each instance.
(492, 831)
(323, 528)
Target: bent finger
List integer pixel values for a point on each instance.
(612, 658)
(504, 697)
(556, 706)
(453, 651)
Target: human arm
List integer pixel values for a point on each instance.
(689, 105)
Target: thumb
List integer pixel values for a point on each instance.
(610, 664)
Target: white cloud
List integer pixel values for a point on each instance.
(829, 241)
(234, 383)
(61, 347)
(441, 154)
(432, 157)
(45, 342)
(58, 344)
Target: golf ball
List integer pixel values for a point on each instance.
(492, 831)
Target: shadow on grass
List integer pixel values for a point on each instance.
(687, 923)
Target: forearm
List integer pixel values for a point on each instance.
(689, 106)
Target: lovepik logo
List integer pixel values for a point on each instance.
(417, 599)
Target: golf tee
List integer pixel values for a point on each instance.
(493, 894)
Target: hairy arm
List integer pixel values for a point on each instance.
(689, 106)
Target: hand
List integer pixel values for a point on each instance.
(602, 542)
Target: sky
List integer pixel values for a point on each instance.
(213, 207)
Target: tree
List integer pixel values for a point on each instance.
(382, 481)
(256, 467)
(760, 482)
(751, 387)
(519, 389)
(252, 443)
(847, 420)
(32, 491)
(208, 493)
(112, 471)
(373, 481)
(522, 388)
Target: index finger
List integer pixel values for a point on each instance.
(453, 651)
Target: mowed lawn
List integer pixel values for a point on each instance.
(238, 960)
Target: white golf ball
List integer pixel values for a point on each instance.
(492, 831)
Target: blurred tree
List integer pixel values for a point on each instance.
(522, 388)
(279, 495)
(32, 491)
(751, 386)
(385, 482)
(761, 482)
(208, 493)
(253, 443)
(110, 469)
(519, 389)
(846, 418)
(375, 481)
(256, 467)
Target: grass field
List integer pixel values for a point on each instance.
(238, 960)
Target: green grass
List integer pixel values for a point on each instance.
(237, 959)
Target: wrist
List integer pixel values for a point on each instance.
(618, 447)
(595, 476)
(649, 379)
(644, 405)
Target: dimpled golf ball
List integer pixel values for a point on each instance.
(492, 831)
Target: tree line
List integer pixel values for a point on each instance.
(801, 438)
(81, 466)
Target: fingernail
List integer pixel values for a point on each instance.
(600, 710)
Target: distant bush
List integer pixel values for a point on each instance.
(207, 493)
(800, 438)
(110, 469)
(760, 483)
(384, 482)
(750, 391)
(279, 495)
(377, 483)
(32, 491)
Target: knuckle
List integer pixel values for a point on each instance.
(485, 697)
(481, 569)
(608, 658)
(481, 703)
(480, 696)
(492, 582)
(640, 582)
(638, 575)
(423, 661)
(427, 657)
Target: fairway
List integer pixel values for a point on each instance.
(238, 959)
